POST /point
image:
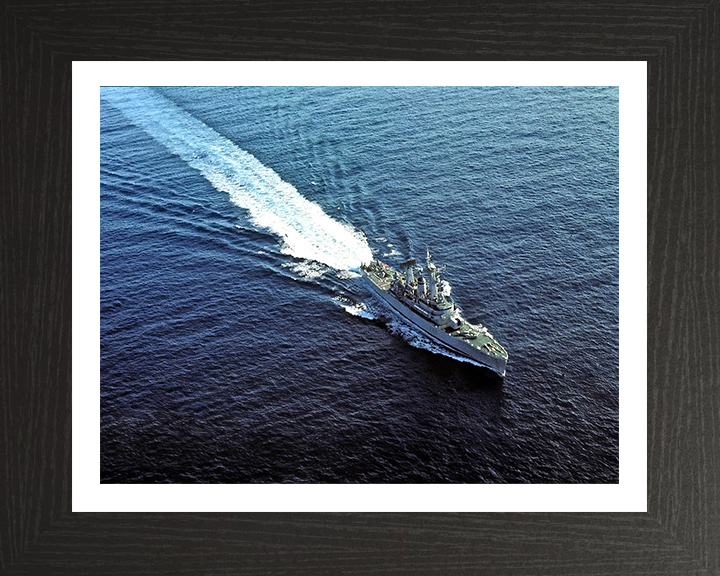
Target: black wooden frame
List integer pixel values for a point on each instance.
(680, 533)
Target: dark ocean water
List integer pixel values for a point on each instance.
(237, 343)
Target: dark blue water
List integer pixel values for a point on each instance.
(238, 344)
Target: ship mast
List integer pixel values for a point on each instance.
(431, 268)
(409, 276)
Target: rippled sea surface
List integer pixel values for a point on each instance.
(238, 343)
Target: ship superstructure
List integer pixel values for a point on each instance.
(423, 298)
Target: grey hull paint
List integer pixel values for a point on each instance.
(437, 335)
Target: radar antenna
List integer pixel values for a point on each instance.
(430, 265)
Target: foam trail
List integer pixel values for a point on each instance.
(305, 229)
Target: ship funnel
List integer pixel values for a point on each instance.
(421, 287)
(409, 276)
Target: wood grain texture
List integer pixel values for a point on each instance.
(681, 532)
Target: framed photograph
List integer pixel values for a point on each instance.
(163, 232)
(225, 380)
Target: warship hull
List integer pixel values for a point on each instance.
(436, 334)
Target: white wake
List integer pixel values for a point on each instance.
(305, 229)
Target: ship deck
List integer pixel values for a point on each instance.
(477, 336)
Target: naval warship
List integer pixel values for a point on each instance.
(421, 297)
